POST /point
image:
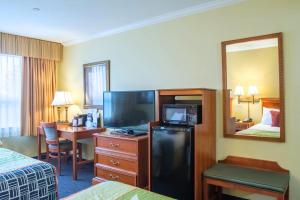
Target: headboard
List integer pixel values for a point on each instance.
(270, 103)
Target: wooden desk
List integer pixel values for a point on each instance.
(73, 134)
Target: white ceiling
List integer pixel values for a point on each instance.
(74, 21)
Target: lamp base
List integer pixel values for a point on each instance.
(62, 123)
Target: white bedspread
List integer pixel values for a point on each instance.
(265, 127)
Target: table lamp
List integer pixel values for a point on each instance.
(62, 99)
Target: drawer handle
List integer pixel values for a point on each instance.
(113, 177)
(114, 145)
(114, 162)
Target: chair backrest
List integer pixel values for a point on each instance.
(50, 131)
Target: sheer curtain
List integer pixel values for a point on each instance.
(10, 95)
(95, 84)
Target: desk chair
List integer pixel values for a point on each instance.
(56, 148)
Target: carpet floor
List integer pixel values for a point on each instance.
(66, 184)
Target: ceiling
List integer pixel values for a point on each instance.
(74, 21)
(251, 45)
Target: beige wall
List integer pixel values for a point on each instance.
(26, 145)
(257, 67)
(186, 53)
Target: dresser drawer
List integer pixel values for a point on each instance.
(126, 146)
(120, 162)
(114, 175)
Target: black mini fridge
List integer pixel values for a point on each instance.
(173, 161)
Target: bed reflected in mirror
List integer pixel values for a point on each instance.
(253, 88)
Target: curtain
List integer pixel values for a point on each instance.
(38, 89)
(10, 95)
(95, 84)
(30, 47)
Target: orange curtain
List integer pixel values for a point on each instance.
(38, 89)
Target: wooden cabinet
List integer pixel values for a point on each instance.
(121, 158)
(204, 133)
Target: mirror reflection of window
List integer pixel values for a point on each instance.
(96, 81)
(253, 78)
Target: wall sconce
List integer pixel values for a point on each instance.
(252, 91)
(239, 91)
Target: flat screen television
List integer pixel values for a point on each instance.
(128, 109)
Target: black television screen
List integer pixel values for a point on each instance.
(128, 109)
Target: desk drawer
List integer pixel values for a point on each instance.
(114, 175)
(116, 144)
(120, 162)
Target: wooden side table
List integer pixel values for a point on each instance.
(240, 125)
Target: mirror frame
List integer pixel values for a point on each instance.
(227, 119)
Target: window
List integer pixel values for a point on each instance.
(10, 95)
(96, 81)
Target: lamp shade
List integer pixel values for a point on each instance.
(62, 98)
(239, 91)
(252, 90)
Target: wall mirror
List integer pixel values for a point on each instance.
(253, 90)
(96, 78)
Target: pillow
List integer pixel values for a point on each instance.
(267, 118)
(275, 118)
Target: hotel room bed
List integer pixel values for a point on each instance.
(261, 130)
(110, 190)
(22, 177)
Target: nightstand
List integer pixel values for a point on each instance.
(240, 125)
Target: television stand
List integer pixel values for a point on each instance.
(129, 132)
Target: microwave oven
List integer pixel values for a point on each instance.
(181, 114)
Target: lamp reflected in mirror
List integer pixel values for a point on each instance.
(252, 92)
(239, 91)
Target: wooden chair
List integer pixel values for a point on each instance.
(56, 148)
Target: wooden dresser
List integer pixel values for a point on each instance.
(121, 158)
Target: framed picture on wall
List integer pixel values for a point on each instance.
(96, 77)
